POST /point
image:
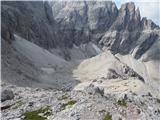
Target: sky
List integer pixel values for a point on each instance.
(148, 8)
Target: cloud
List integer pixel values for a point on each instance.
(148, 8)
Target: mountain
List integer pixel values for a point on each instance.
(73, 55)
(63, 24)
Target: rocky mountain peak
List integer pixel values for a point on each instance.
(128, 18)
(137, 14)
(128, 6)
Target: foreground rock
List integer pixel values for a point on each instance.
(78, 105)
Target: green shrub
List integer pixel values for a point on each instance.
(108, 116)
(122, 102)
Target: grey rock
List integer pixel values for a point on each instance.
(127, 32)
(112, 74)
(7, 95)
(148, 24)
(126, 73)
(92, 89)
(82, 20)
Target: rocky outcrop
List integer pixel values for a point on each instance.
(93, 90)
(7, 95)
(119, 42)
(145, 45)
(79, 105)
(128, 31)
(148, 24)
(128, 18)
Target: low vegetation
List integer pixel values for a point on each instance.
(122, 102)
(69, 103)
(34, 115)
(108, 116)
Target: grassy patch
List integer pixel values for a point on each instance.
(69, 103)
(108, 116)
(34, 115)
(122, 102)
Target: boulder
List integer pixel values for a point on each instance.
(7, 95)
(92, 89)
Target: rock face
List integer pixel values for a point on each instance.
(81, 20)
(31, 20)
(75, 22)
(92, 15)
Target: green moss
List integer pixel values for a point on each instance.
(34, 115)
(108, 116)
(122, 102)
(69, 103)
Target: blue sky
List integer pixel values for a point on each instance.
(148, 8)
